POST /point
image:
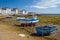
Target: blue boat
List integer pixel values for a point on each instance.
(45, 30)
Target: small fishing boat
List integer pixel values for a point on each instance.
(9, 16)
(45, 30)
(28, 21)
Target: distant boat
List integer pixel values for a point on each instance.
(9, 16)
(20, 18)
(44, 30)
(28, 21)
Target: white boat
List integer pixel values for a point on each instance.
(28, 21)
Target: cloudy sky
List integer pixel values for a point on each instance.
(40, 6)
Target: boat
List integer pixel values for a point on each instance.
(45, 30)
(9, 16)
(28, 21)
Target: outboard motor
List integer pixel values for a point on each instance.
(34, 17)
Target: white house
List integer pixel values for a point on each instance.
(12, 11)
(0, 10)
(5, 11)
(15, 11)
(24, 12)
(32, 13)
(8, 11)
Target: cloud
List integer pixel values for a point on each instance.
(46, 3)
(39, 6)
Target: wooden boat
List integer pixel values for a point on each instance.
(45, 30)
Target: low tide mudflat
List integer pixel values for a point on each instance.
(9, 30)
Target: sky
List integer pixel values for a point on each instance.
(39, 6)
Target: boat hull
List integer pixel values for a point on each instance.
(28, 24)
(44, 31)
